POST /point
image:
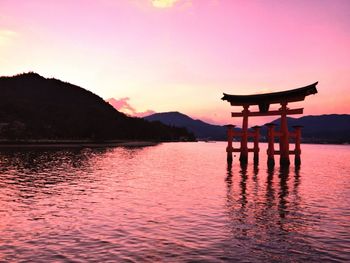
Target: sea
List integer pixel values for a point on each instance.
(172, 202)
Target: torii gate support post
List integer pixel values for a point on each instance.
(229, 148)
(284, 138)
(243, 158)
(271, 142)
(297, 160)
(256, 144)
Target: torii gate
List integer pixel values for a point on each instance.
(264, 101)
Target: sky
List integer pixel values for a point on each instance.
(181, 55)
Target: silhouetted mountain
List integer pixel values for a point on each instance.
(201, 129)
(33, 107)
(318, 129)
(332, 128)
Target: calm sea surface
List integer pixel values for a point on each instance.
(173, 202)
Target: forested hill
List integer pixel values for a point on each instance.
(33, 107)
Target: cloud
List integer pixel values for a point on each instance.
(163, 3)
(124, 106)
(144, 113)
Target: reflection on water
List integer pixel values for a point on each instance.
(171, 202)
(274, 217)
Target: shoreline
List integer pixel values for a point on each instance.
(75, 144)
(109, 143)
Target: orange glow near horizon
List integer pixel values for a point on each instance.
(181, 55)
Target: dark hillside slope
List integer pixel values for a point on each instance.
(33, 107)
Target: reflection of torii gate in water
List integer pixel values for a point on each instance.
(264, 101)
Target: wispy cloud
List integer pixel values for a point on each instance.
(163, 3)
(144, 113)
(124, 106)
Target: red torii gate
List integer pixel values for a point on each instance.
(264, 101)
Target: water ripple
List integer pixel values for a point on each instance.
(175, 202)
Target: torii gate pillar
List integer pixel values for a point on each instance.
(243, 158)
(284, 136)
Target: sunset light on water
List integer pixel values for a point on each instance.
(172, 202)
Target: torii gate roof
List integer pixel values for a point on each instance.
(266, 99)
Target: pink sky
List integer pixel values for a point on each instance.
(167, 55)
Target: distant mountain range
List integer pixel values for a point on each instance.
(201, 129)
(35, 108)
(330, 128)
(333, 128)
